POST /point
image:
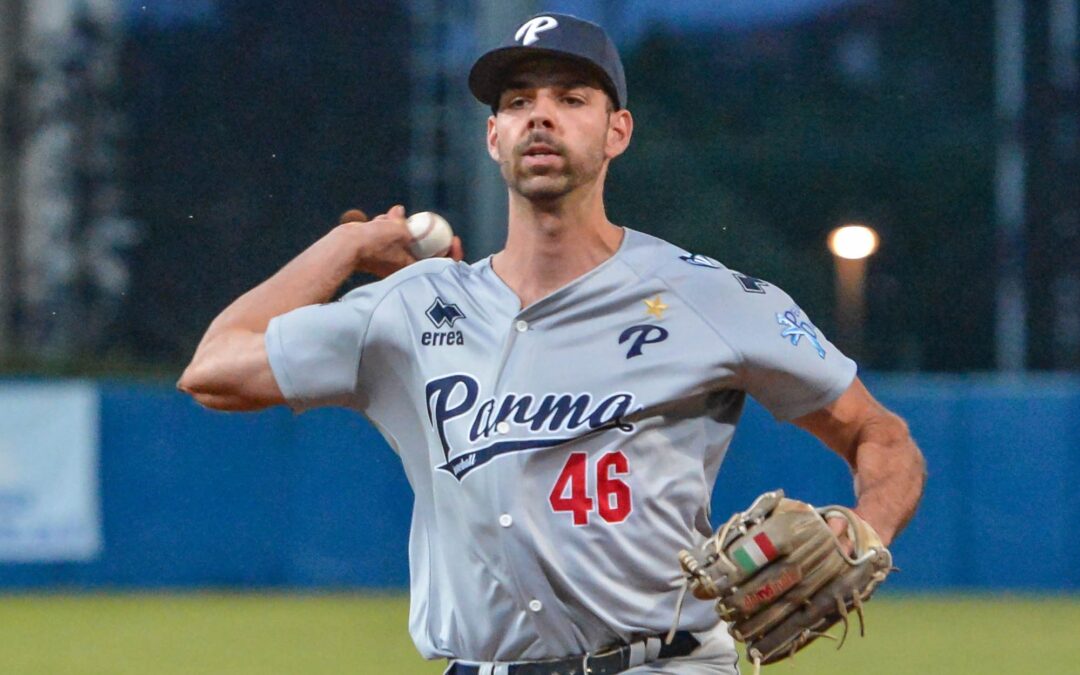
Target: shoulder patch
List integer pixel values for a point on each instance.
(750, 284)
(701, 261)
(794, 328)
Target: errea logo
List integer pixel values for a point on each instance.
(443, 314)
(530, 30)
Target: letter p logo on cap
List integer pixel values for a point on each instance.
(529, 31)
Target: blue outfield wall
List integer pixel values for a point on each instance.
(193, 498)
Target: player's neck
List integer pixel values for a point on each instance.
(549, 245)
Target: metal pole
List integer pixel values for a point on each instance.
(1064, 71)
(851, 305)
(1009, 190)
(11, 31)
(1064, 60)
(424, 110)
(487, 204)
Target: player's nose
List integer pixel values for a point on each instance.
(542, 113)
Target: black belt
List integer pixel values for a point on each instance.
(608, 662)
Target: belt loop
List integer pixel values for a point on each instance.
(487, 669)
(637, 653)
(652, 649)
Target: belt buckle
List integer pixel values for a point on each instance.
(608, 662)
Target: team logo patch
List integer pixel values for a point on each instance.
(750, 284)
(642, 334)
(701, 261)
(442, 313)
(795, 329)
(531, 29)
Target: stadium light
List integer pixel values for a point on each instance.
(853, 242)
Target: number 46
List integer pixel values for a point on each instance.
(571, 491)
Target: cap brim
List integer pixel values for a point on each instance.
(489, 72)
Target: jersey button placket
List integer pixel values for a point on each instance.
(510, 546)
(532, 606)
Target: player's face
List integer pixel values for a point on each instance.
(555, 130)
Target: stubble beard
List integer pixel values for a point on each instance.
(552, 184)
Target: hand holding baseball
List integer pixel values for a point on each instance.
(390, 242)
(431, 235)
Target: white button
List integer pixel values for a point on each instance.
(536, 605)
(521, 326)
(503, 427)
(506, 520)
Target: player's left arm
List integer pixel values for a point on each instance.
(889, 468)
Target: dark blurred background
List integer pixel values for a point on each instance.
(159, 158)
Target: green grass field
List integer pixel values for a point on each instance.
(253, 634)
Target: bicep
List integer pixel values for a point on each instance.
(232, 372)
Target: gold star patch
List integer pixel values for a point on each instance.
(656, 307)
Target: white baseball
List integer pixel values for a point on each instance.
(431, 235)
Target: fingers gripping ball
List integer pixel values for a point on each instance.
(431, 235)
(781, 577)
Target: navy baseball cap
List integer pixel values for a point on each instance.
(559, 35)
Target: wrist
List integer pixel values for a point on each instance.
(356, 239)
(379, 247)
(879, 524)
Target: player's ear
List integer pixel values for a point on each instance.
(620, 129)
(492, 139)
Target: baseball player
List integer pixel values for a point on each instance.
(562, 407)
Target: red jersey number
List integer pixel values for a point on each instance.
(571, 490)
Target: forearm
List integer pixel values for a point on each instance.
(889, 475)
(310, 278)
(231, 368)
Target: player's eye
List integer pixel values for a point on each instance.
(574, 100)
(517, 102)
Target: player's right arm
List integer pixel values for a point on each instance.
(230, 369)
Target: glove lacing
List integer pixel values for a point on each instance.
(696, 573)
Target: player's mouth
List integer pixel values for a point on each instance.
(540, 154)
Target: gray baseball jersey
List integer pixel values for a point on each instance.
(560, 454)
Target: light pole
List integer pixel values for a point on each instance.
(1010, 184)
(12, 21)
(851, 245)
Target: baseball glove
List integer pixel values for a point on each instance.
(782, 577)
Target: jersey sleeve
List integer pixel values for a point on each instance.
(778, 355)
(786, 363)
(315, 352)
